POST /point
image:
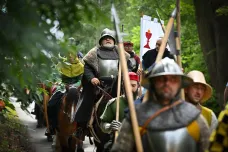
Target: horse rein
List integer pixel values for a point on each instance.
(105, 92)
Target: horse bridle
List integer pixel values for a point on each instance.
(64, 105)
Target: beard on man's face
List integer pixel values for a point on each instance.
(108, 45)
(165, 93)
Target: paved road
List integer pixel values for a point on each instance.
(38, 138)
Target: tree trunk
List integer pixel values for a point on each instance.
(213, 35)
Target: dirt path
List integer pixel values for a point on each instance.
(38, 138)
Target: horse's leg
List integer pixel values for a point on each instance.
(57, 146)
(75, 144)
(63, 144)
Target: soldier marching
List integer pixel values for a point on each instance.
(165, 120)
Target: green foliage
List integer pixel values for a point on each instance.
(135, 38)
(29, 48)
(192, 56)
(222, 11)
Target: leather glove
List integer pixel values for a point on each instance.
(115, 125)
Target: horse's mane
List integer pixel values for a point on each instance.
(72, 95)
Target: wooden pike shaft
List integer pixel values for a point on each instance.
(126, 79)
(129, 95)
(140, 77)
(165, 39)
(118, 98)
(178, 43)
(178, 19)
(179, 62)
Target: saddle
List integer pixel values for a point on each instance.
(103, 96)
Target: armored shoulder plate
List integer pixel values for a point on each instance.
(174, 118)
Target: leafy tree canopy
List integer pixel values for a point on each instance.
(33, 32)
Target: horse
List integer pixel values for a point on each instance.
(106, 93)
(65, 138)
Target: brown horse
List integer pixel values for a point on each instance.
(65, 137)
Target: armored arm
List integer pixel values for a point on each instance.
(125, 141)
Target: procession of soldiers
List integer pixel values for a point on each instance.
(124, 103)
(168, 104)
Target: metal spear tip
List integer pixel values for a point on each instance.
(174, 13)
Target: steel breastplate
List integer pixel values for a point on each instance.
(133, 62)
(107, 68)
(177, 140)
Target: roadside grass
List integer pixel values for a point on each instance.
(13, 135)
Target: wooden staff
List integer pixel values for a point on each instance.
(118, 98)
(118, 95)
(140, 77)
(162, 25)
(166, 36)
(130, 100)
(178, 44)
(129, 94)
(163, 45)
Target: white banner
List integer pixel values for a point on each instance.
(150, 32)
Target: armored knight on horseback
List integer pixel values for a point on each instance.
(100, 75)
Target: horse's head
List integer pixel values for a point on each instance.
(70, 103)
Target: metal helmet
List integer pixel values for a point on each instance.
(168, 66)
(107, 32)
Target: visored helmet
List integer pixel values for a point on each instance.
(168, 66)
(107, 32)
